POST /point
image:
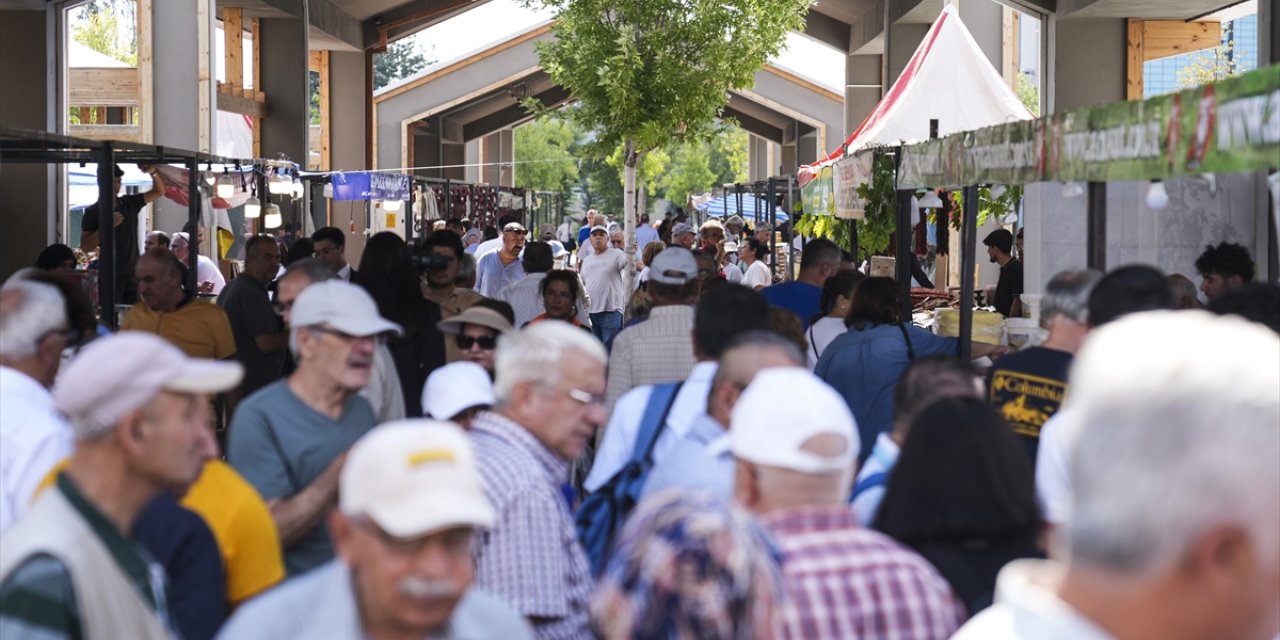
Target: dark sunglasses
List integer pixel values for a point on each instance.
(464, 342)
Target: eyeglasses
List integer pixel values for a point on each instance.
(465, 342)
(519, 232)
(70, 335)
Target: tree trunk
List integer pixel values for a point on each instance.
(630, 160)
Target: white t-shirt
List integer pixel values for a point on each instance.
(757, 275)
(820, 334)
(207, 271)
(1053, 485)
(602, 273)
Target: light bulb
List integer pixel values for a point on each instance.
(297, 189)
(252, 207)
(278, 185)
(210, 177)
(931, 201)
(328, 190)
(226, 188)
(391, 205)
(273, 219)
(1072, 189)
(997, 190)
(1157, 197)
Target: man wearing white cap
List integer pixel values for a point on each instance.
(289, 439)
(602, 268)
(140, 410)
(842, 581)
(411, 504)
(456, 392)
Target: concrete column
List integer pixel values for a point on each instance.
(985, 20)
(1088, 63)
(788, 149)
(862, 91)
(27, 189)
(903, 40)
(472, 158)
(757, 158)
(346, 111)
(183, 106)
(1268, 34)
(285, 78)
(507, 156)
(491, 154)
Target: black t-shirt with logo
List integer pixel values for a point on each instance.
(126, 246)
(1026, 388)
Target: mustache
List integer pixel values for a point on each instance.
(422, 588)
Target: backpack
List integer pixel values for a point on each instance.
(600, 517)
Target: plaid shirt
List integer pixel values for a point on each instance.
(657, 350)
(844, 581)
(531, 558)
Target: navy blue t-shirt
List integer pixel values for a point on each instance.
(183, 544)
(1026, 388)
(800, 298)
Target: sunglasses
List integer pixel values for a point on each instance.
(488, 343)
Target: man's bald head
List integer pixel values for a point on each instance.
(159, 280)
(745, 357)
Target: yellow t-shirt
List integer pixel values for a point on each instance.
(199, 328)
(240, 522)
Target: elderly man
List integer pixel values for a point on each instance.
(155, 240)
(549, 392)
(733, 228)
(497, 269)
(208, 276)
(711, 236)
(803, 296)
(260, 339)
(200, 329)
(658, 349)
(689, 465)
(1174, 529)
(1028, 386)
(140, 410)
(602, 268)
(683, 235)
(290, 439)
(331, 249)
(841, 580)
(33, 436)
(411, 504)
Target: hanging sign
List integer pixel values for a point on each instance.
(849, 173)
(818, 194)
(1226, 127)
(366, 185)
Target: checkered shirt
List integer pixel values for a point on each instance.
(657, 350)
(531, 558)
(845, 581)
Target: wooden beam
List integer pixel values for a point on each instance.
(235, 102)
(1009, 46)
(1134, 58)
(102, 87)
(325, 111)
(146, 108)
(233, 38)
(205, 77)
(122, 132)
(1164, 38)
(256, 27)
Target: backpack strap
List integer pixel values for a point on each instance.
(655, 418)
(872, 481)
(911, 352)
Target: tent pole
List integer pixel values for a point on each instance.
(902, 264)
(968, 254)
(193, 217)
(106, 234)
(1096, 227)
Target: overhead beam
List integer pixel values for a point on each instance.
(511, 115)
(412, 17)
(327, 17)
(755, 125)
(102, 87)
(1164, 38)
(827, 30)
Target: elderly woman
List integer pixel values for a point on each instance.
(475, 331)
(687, 565)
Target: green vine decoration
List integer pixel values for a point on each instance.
(875, 230)
(988, 207)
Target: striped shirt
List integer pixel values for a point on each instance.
(657, 350)
(531, 558)
(844, 581)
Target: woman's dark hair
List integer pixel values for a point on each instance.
(79, 309)
(52, 256)
(560, 275)
(962, 475)
(301, 249)
(490, 232)
(758, 249)
(875, 301)
(841, 284)
(501, 307)
(387, 273)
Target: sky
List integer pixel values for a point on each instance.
(499, 19)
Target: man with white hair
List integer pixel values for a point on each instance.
(1174, 530)
(550, 401)
(208, 276)
(841, 580)
(33, 437)
(410, 505)
(1027, 387)
(70, 567)
(289, 440)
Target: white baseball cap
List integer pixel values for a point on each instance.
(414, 477)
(780, 410)
(117, 374)
(343, 306)
(456, 387)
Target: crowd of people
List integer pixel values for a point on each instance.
(392, 445)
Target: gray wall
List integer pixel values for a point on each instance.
(1089, 64)
(858, 100)
(26, 190)
(346, 111)
(175, 30)
(286, 80)
(984, 19)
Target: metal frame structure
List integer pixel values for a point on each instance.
(38, 147)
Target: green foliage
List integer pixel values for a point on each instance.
(600, 184)
(314, 84)
(545, 155)
(875, 230)
(1210, 65)
(988, 207)
(108, 27)
(650, 168)
(1028, 93)
(401, 60)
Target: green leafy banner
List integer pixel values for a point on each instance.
(1225, 127)
(818, 195)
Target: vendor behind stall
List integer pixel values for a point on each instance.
(125, 223)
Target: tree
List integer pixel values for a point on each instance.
(647, 74)
(1210, 65)
(107, 26)
(1028, 93)
(401, 60)
(544, 154)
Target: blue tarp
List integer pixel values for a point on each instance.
(727, 205)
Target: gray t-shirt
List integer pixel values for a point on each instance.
(251, 315)
(279, 444)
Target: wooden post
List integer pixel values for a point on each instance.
(146, 110)
(233, 51)
(325, 153)
(257, 85)
(1134, 59)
